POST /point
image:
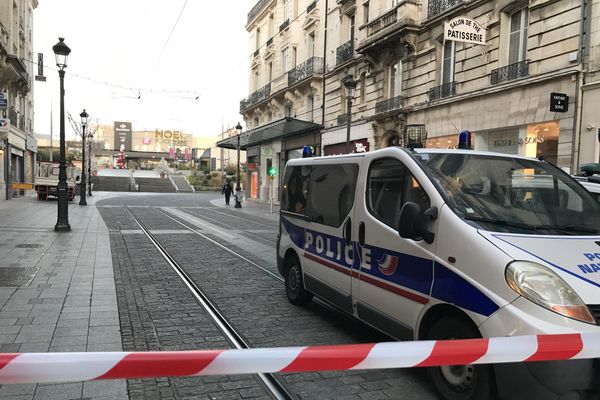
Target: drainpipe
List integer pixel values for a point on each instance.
(325, 66)
(583, 52)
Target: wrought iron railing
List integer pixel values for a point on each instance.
(344, 52)
(510, 72)
(437, 7)
(269, 42)
(285, 24)
(379, 24)
(19, 66)
(256, 97)
(388, 105)
(256, 52)
(312, 66)
(342, 119)
(257, 9)
(445, 90)
(13, 116)
(311, 6)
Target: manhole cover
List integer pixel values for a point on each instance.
(28, 246)
(17, 276)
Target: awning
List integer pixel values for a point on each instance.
(284, 127)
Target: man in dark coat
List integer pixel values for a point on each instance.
(227, 190)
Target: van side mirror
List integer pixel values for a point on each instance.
(414, 224)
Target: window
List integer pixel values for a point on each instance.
(287, 110)
(311, 46)
(390, 185)
(395, 80)
(295, 187)
(363, 82)
(517, 49)
(448, 62)
(366, 12)
(287, 9)
(271, 25)
(331, 194)
(285, 60)
(270, 71)
(352, 28)
(257, 45)
(310, 102)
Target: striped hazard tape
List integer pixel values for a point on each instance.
(68, 367)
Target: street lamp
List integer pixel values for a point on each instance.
(350, 85)
(238, 203)
(61, 51)
(84, 120)
(89, 171)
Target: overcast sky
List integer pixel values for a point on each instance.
(122, 43)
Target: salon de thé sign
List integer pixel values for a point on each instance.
(462, 29)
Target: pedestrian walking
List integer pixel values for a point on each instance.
(227, 190)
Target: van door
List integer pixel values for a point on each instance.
(328, 256)
(396, 274)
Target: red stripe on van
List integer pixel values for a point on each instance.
(394, 289)
(328, 264)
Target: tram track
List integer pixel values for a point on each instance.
(272, 384)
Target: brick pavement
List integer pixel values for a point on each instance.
(57, 291)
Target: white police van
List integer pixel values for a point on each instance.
(442, 244)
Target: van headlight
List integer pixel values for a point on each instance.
(544, 287)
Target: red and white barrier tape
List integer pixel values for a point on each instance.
(69, 367)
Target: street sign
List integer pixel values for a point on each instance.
(3, 100)
(4, 124)
(559, 102)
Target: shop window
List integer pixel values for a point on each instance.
(517, 48)
(331, 194)
(390, 185)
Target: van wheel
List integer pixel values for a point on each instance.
(294, 284)
(460, 382)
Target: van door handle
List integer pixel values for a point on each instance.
(348, 231)
(361, 234)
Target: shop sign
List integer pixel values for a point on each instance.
(4, 124)
(267, 151)
(122, 136)
(559, 102)
(3, 100)
(466, 30)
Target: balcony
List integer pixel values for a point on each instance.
(437, 7)
(344, 53)
(258, 7)
(395, 103)
(256, 97)
(310, 67)
(510, 72)
(269, 42)
(392, 25)
(285, 24)
(445, 90)
(311, 7)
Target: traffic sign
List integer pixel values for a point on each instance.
(4, 124)
(3, 100)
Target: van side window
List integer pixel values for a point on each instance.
(390, 185)
(331, 194)
(295, 187)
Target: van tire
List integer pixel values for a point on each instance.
(470, 382)
(294, 283)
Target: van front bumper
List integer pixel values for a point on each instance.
(560, 380)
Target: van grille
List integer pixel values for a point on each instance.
(595, 310)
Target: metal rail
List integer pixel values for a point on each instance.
(232, 336)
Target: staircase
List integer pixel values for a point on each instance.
(182, 184)
(156, 185)
(111, 183)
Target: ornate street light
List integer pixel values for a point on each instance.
(89, 171)
(350, 85)
(84, 121)
(238, 189)
(61, 51)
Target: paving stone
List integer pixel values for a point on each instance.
(59, 391)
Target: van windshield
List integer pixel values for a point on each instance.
(505, 194)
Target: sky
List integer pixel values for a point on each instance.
(151, 49)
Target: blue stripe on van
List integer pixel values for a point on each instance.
(405, 270)
(454, 289)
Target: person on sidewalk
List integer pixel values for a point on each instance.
(227, 190)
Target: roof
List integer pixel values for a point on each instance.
(281, 128)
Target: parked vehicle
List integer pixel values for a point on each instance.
(46, 181)
(589, 169)
(591, 183)
(448, 244)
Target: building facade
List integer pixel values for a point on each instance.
(521, 75)
(17, 143)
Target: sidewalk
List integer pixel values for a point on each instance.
(57, 291)
(250, 206)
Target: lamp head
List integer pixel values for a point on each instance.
(238, 127)
(61, 51)
(84, 117)
(350, 85)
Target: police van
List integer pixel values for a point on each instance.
(448, 244)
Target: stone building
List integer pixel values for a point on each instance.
(521, 75)
(17, 143)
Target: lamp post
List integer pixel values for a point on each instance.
(350, 85)
(89, 171)
(238, 203)
(84, 119)
(61, 51)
